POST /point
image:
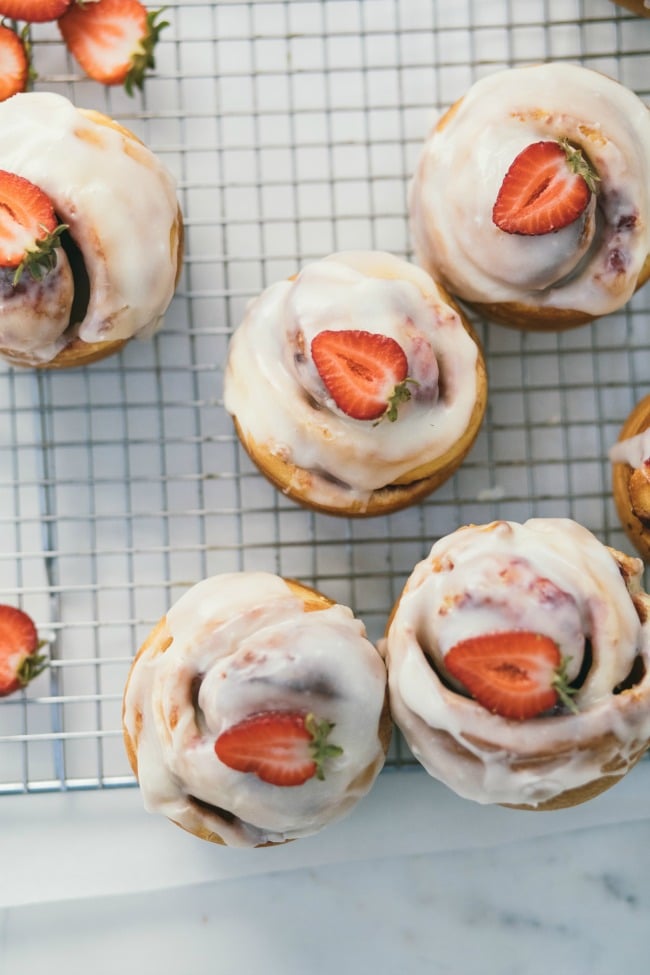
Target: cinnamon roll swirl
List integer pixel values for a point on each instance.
(630, 458)
(356, 387)
(122, 241)
(531, 198)
(255, 712)
(519, 663)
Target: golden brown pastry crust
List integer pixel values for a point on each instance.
(623, 485)
(636, 6)
(77, 352)
(406, 490)
(519, 315)
(159, 639)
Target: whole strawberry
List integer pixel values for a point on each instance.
(113, 40)
(19, 643)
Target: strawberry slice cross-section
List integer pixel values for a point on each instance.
(365, 373)
(547, 187)
(14, 63)
(33, 11)
(283, 748)
(29, 234)
(113, 40)
(19, 643)
(517, 674)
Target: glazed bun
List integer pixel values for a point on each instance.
(630, 458)
(357, 387)
(484, 225)
(121, 254)
(256, 711)
(519, 663)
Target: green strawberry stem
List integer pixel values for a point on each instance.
(42, 258)
(562, 687)
(579, 164)
(31, 667)
(144, 58)
(401, 394)
(321, 749)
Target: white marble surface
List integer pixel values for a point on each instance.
(414, 881)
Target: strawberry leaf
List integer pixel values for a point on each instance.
(562, 687)
(144, 59)
(42, 257)
(320, 748)
(579, 164)
(33, 665)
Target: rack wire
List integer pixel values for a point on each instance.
(292, 128)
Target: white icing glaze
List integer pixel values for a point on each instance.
(634, 451)
(550, 576)
(120, 204)
(273, 389)
(462, 166)
(250, 646)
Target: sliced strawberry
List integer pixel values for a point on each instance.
(14, 63)
(547, 187)
(19, 662)
(516, 674)
(113, 40)
(364, 372)
(29, 233)
(33, 11)
(284, 748)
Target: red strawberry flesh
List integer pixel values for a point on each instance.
(513, 674)
(283, 748)
(26, 215)
(359, 369)
(33, 11)
(18, 645)
(14, 63)
(540, 192)
(104, 36)
(113, 40)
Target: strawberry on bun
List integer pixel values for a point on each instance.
(255, 711)
(357, 387)
(518, 663)
(530, 198)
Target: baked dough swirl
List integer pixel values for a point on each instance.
(121, 256)
(295, 431)
(630, 458)
(550, 577)
(553, 280)
(238, 645)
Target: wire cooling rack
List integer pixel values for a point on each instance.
(292, 129)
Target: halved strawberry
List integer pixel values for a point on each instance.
(29, 234)
(547, 187)
(33, 11)
(19, 661)
(516, 674)
(364, 372)
(14, 63)
(284, 748)
(113, 40)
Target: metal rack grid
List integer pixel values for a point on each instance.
(292, 128)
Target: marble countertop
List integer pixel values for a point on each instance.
(413, 881)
